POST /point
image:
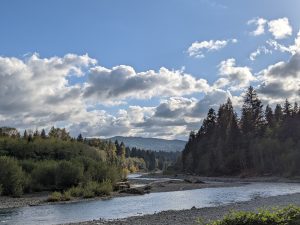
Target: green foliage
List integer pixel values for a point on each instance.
(55, 197)
(92, 189)
(66, 196)
(89, 190)
(68, 174)
(12, 178)
(287, 216)
(76, 191)
(47, 149)
(44, 175)
(56, 162)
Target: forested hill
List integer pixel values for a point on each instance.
(263, 141)
(154, 144)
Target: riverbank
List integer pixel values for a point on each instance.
(153, 186)
(154, 182)
(189, 217)
(227, 179)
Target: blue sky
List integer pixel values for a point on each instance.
(145, 35)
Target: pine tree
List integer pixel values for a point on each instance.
(278, 113)
(36, 133)
(287, 109)
(252, 121)
(269, 116)
(43, 134)
(25, 135)
(295, 109)
(209, 123)
(80, 138)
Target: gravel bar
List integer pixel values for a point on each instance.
(189, 217)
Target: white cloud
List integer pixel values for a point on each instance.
(233, 76)
(280, 28)
(260, 50)
(281, 80)
(292, 49)
(123, 82)
(198, 49)
(260, 26)
(37, 92)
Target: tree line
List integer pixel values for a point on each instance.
(262, 141)
(54, 161)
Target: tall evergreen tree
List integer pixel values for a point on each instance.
(43, 134)
(80, 138)
(295, 109)
(278, 114)
(252, 121)
(269, 116)
(25, 135)
(222, 147)
(209, 123)
(287, 109)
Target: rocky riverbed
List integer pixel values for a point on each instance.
(160, 185)
(190, 217)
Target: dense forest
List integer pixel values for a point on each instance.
(73, 167)
(37, 161)
(262, 141)
(154, 159)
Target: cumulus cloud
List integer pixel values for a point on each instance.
(292, 49)
(280, 28)
(281, 80)
(198, 49)
(260, 26)
(234, 76)
(122, 82)
(38, 88)
(38, 92)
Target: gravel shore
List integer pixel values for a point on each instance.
(189, 217)
(156, 186)
(26, 200)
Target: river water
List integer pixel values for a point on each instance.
(122, 207)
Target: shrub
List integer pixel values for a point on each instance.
(68, 174)
(104, 188)
(287, 216)
(28, 165)
(92, 189)
(55, 197)
(76, 191)
(44, 175)
(11, 177)
(88, 192)
(66, 196)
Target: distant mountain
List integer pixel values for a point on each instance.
(154, 144)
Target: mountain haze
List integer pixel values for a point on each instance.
(155, 144)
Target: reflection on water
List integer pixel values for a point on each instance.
(147, 204)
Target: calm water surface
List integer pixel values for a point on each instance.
(122, 207)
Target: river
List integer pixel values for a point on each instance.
(122, 207)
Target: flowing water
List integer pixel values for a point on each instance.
(122, 207)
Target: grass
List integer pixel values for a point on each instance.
(89, 190)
